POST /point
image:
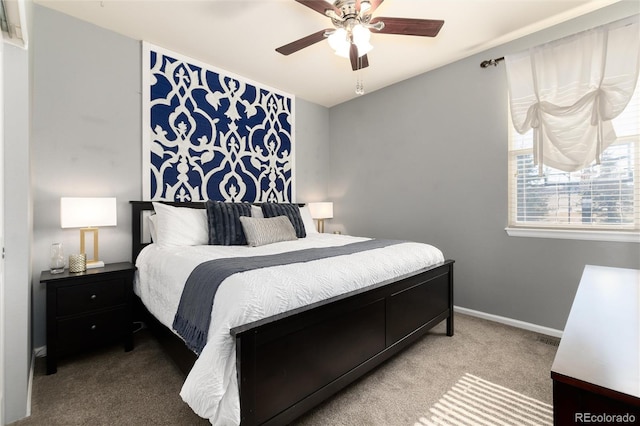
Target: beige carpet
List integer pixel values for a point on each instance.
(111, 387)
(473, 401)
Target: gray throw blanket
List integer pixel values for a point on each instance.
(194, 311)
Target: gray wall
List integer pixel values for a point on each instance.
(426, 160)
(311, 151)
(87, 137)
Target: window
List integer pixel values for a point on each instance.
(601, 197)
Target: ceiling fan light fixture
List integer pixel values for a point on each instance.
(353, 22)
(339, 42)
(361, 37)
(364, 48)
(343, 51)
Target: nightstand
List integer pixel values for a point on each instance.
(88, 309)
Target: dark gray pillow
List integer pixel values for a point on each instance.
(292, 211)
(225, 228)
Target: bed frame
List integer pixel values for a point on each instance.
(289, 363)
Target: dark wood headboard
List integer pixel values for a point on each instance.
(138, 208)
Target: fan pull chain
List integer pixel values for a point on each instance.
(359, 82)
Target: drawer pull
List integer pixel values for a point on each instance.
(94, 297)
(93, 327)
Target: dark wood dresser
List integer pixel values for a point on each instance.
(596, 371)
(88, 309)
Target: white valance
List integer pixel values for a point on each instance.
(569, 90)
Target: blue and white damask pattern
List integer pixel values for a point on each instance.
(210, 135)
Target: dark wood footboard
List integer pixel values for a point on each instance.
(289, 363)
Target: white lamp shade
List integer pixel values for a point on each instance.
(339, 42)
(87, 212)
(322, 210)
(361, 37)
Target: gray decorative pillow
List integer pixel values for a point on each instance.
(261, 231)
(292, 211)
(224, 224)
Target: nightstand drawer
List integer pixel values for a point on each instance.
(77, 299)
(90, 330)
(87, 309)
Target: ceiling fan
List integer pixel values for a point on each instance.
(352, 21)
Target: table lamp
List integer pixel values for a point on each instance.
(320, 212)
(88, 214)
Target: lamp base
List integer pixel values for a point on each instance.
(95, 264)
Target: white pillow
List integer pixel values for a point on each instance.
(256, 211)
(307, 220)
(261, 231)
(180, 226)
(153, 224)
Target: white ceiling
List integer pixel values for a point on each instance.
(240, 36)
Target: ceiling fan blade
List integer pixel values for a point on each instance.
(409, 26)
(353, 56)
(320, 6)
(307, 41)
(364, 61)
(374, 5)
(357, 63)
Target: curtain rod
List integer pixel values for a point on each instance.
(493, 62)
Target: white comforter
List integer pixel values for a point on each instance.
(211, 389)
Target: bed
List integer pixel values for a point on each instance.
(284, 360)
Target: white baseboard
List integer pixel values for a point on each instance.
(38, 352)
(30, 383)
(509, 321)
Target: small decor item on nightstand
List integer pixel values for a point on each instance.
(78, 262)
(56, 263)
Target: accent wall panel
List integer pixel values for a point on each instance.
(209, 134)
